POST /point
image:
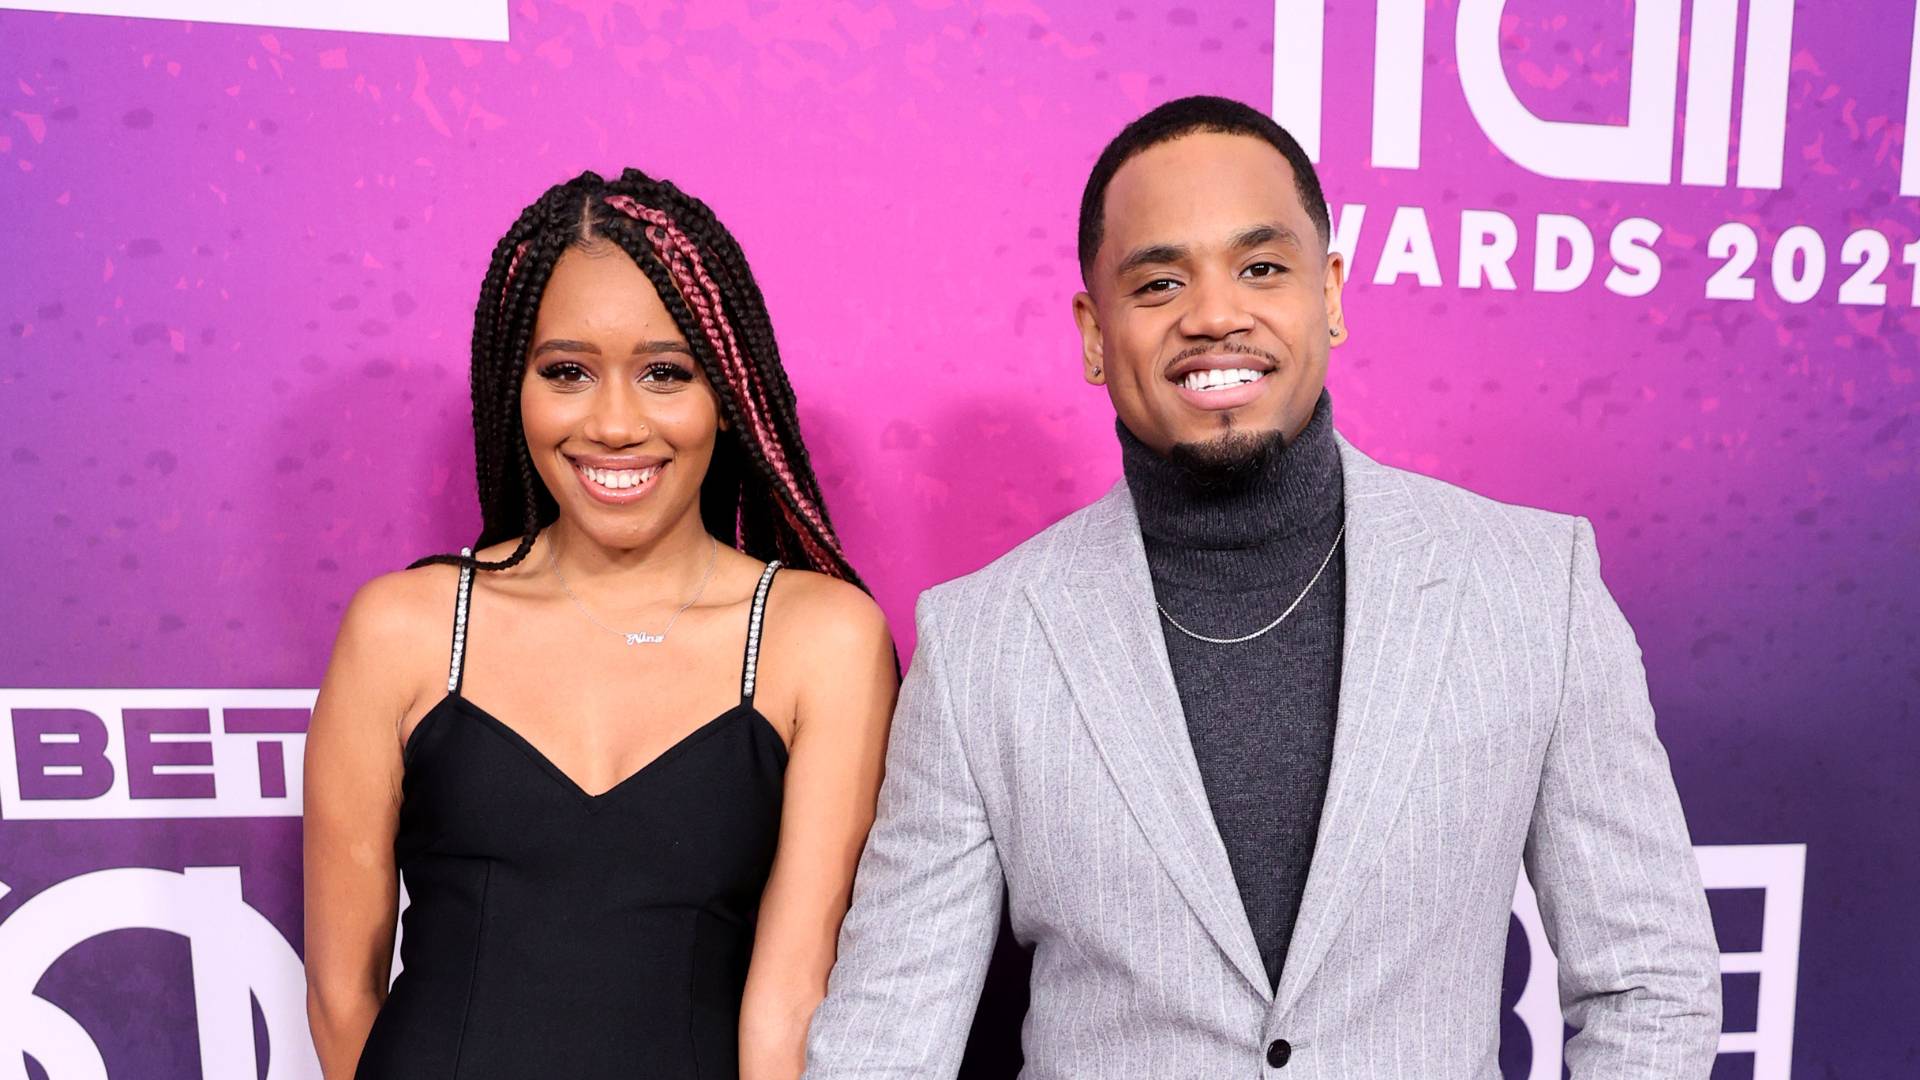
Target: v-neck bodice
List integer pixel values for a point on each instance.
(457, 704)
(553, 932)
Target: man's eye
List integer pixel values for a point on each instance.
(1159, 285)
(1264, 269)
(564, 371)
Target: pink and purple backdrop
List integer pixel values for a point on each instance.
(241, 264)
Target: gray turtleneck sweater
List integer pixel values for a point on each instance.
(1226, 562)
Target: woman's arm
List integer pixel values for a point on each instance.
(841, 656)
(352, 793)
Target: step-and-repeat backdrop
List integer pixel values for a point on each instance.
(1652, 262)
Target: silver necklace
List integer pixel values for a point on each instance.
(642, 637)
(1283, 615)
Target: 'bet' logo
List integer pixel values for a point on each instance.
(105, 754)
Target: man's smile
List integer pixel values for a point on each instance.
(1222, 378)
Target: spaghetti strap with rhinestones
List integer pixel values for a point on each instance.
(457, 669)
(749, 668)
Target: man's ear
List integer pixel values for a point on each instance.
(1336, 281)
(1093, 358)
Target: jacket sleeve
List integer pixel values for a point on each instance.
(1610, 859)
(914, 946)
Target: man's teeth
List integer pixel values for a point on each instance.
(616, 479)
(1219, 379)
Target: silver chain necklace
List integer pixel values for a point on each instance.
(641, 638)
(1283, 615)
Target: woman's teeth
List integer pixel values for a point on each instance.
(616, 479)
(1219, 379)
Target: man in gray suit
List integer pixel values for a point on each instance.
(1258, 743)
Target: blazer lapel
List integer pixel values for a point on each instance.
(1101, 622)
(1402, 576)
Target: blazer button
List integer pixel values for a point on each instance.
(1279, 1052)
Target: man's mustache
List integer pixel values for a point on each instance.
(1222, 347)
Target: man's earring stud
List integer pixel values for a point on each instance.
(1335, 331)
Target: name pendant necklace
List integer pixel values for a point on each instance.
(641, 637)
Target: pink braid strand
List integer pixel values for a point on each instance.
(684, 265)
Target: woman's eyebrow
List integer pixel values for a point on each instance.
(653, 348)
(644, 348)
(565, 345)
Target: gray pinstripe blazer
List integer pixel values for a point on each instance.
(1492, 711)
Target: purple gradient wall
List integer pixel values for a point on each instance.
(241, 264)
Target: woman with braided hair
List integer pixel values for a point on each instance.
(625, 753)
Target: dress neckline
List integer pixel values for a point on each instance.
(749, 673)
(455, 700)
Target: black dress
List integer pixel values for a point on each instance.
(552, 933)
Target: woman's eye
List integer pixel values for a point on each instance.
(564, 371)
(665, 372)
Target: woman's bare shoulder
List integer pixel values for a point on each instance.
(390, 651)
(818, 612)
(402, 606)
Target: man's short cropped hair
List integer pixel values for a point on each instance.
(1185, 116)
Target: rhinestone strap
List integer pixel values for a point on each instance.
(460, 623)
(753, 630)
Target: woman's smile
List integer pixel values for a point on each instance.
(618, 481)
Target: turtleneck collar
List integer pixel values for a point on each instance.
(1194, 531)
